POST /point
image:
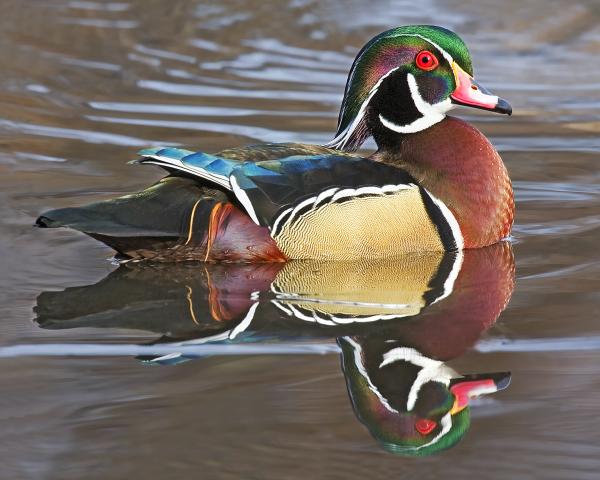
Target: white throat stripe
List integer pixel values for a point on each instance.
(431, 114)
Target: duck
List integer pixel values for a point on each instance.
(435, 182)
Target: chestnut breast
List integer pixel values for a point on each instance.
(457, 164)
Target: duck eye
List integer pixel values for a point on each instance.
(425, 426)
(426, 60)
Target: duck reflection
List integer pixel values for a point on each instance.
(412, 403)
(396, 321)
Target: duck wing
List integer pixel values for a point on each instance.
(328, 195)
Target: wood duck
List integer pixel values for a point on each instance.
(434, 184)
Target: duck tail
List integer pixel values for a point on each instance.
(148, 221)
(176, 219)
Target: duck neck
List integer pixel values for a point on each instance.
(458, 165)
(389, 142)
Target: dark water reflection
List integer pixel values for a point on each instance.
(396, 321)
(86, 83)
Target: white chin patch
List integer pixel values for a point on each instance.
(431, 114)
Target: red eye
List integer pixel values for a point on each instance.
(425, 426)
(426, 61)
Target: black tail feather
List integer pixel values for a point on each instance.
(153, 219)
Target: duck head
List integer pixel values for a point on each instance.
(404, 81)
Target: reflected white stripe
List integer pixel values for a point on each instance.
(449, 283)
(431, 370)
(357, 351)
(245, 323)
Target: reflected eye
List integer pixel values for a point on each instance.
(425, 426)
(426, 60)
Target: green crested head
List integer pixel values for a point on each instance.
(423, 446)
(404, 80)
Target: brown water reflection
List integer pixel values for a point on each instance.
(397, 323)
(85, 84)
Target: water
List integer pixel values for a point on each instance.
(84, 84)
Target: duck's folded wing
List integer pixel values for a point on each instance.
(266, 187)
(304, 195)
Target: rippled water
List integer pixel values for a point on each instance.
(85, 83)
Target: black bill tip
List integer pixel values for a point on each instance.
(502, 380)
(503, 107)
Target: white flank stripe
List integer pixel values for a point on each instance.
(294, 297)
(337, 195)
(397, 188)
(348, 192)
(323, 195)
(351, 192)
(278, 219)
(243, 198)
(359, 319)
(301, 205)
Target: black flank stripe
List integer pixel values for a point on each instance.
(305, 209)
(439, 220)
(365, 195)
(283, 220)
